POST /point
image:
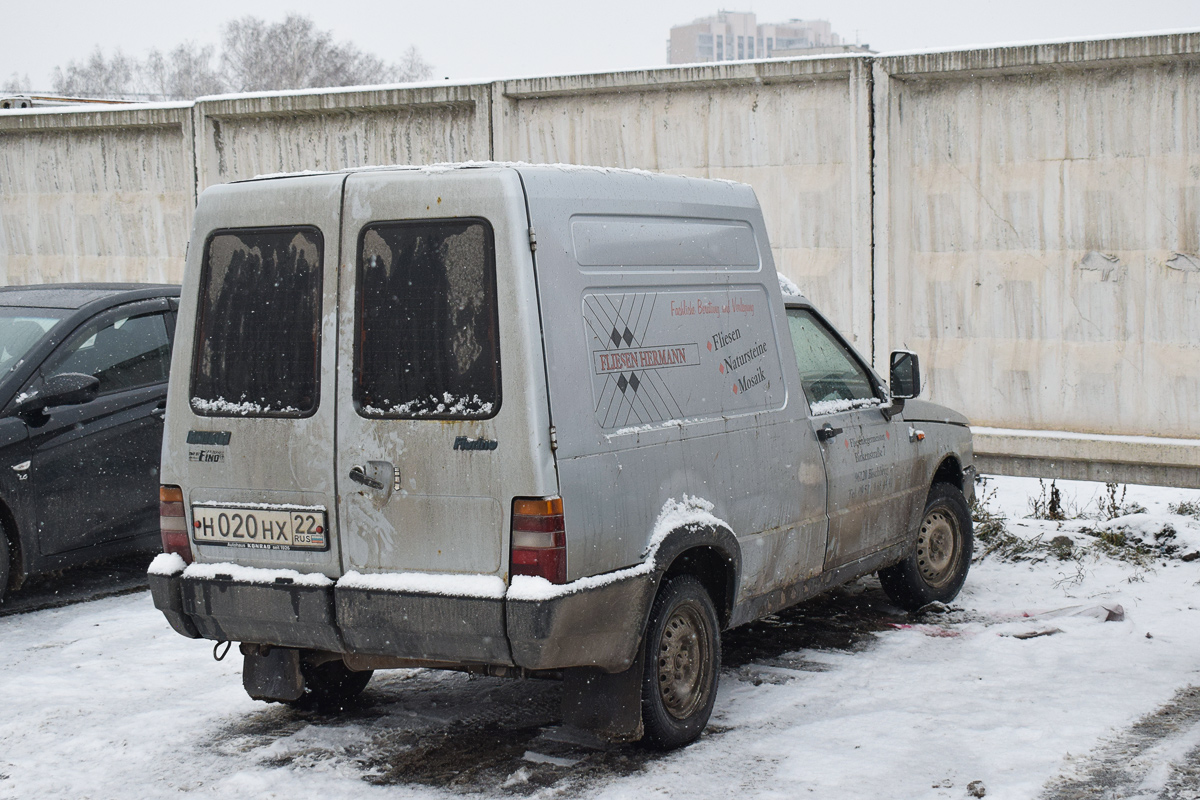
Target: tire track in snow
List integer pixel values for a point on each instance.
(1158, 758)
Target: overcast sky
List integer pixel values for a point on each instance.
(485, 38)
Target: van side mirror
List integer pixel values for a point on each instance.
(66, 389)
(906, 375)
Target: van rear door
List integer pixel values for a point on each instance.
(442, 415)
(251, 402)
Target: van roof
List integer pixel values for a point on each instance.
(552, 179)
(464, 165)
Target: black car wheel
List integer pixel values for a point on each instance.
(938, 564)
(5, 564)
(683, 658)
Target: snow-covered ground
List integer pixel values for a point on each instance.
(103, 700)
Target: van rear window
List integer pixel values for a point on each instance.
(427, 339)
(258, 324)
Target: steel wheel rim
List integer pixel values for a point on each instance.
(684, 662)
(937, 547)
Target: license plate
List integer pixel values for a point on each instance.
(275, 528)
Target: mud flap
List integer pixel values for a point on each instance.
(274, 676)
(607, 704)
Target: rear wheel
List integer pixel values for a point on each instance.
(331, 685)
(682, 660)
(938, 565)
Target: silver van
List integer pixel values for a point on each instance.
(527, 421)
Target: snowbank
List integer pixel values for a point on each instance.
(166, 564)
(485, 586)
(242, 574)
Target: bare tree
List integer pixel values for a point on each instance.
(411, 67)
(17, 84)
(293, 54)
(256, 56)
(183, 74)
(98, 76)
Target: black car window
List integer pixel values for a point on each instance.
(428, 339)
(123, 353)
(831, 376)
(20, 330)
(258, 327)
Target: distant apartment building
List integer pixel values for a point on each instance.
(735, 35)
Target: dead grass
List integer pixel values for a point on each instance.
(1121, 543)
(1185, 508)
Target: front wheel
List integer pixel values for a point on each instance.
(682, 660)
(937, 567)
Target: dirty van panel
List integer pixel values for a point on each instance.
(442, 417)
(865, 453)
(655, 242)
(656, 306)
(249, 434)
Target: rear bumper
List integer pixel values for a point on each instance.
(284, 615)
(596, 627)
(424, 627)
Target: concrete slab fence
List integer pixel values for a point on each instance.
(1026, 218)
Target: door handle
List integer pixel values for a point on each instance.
(359, 475)
(160, 409)
(828, 432)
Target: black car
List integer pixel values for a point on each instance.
(83, 387)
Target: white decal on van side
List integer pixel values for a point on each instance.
(640, 342)
(641, 358)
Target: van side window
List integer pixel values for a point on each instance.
(831, 376)
(258, 326)
(428, 338)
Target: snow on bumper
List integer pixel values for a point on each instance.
(449, 619)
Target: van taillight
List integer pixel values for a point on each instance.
(539, 539)
(172, 523)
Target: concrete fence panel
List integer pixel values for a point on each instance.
(95, 195)
(1040, 240)
(241, 137)
(1026, 218)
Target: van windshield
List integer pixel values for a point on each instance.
(427, 339)
(258, 324)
